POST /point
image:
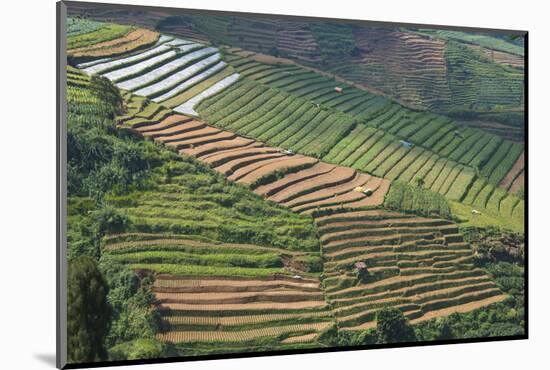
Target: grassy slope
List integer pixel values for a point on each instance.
(207, 204)
(486, 219)
(120, 183)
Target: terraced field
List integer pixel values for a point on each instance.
(420, 265)
(219, 292)
(302, 183)
(488, 86)
(478, 39)
(398, 249)
(444, 71)
(341, 159)
(281, 37)
(440, 71)
(142, 18)
(418, 67)
(388, 141)
(502, 57)
(226, 310)
(409, 66)
(177, 73)
(434, 133)
(290, 107)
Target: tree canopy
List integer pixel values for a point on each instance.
(88, 312)
(392, 327)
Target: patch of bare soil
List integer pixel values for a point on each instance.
(133, 40)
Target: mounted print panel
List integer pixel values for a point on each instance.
(237, 184)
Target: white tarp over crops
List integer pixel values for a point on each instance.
(180, 76)
(190, 82)
(157, 73)
(187, 107)
(93, 62)
(136, 68)
(100, 65)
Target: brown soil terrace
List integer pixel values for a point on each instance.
(316, 185)
(514, 179)
(133, 40)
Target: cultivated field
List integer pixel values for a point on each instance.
(302, 183)
(304, 204)
(420, 265)
(447, 71)
(220, 292)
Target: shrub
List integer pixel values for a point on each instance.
(414, 199)
(495, 245)
(392, 327)
(131, 299)
(363, 275)
(357, 338)
(310, 263)
(144, 348)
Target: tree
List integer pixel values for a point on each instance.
(131, 299)
(104, 89)
(88, 312)
(137, 349)
(392, 327)
(444, 331)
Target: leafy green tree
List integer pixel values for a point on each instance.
(392, 327)
(444, 330)
(133, 317)
(357, 338)
(137, 349)
(104, 89)
(88, 312)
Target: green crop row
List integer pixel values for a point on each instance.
(193, 270)
(78, 26)
(220, 260)
(106, 33)
(487, 41)
(414, 199)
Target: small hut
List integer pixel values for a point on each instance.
(338, 89)
(361, 271)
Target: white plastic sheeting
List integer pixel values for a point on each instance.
(187, 107)
(179, 77)
(105, 63)
(93, 62)
(164, 69)
(190, 82)
(136, 68)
